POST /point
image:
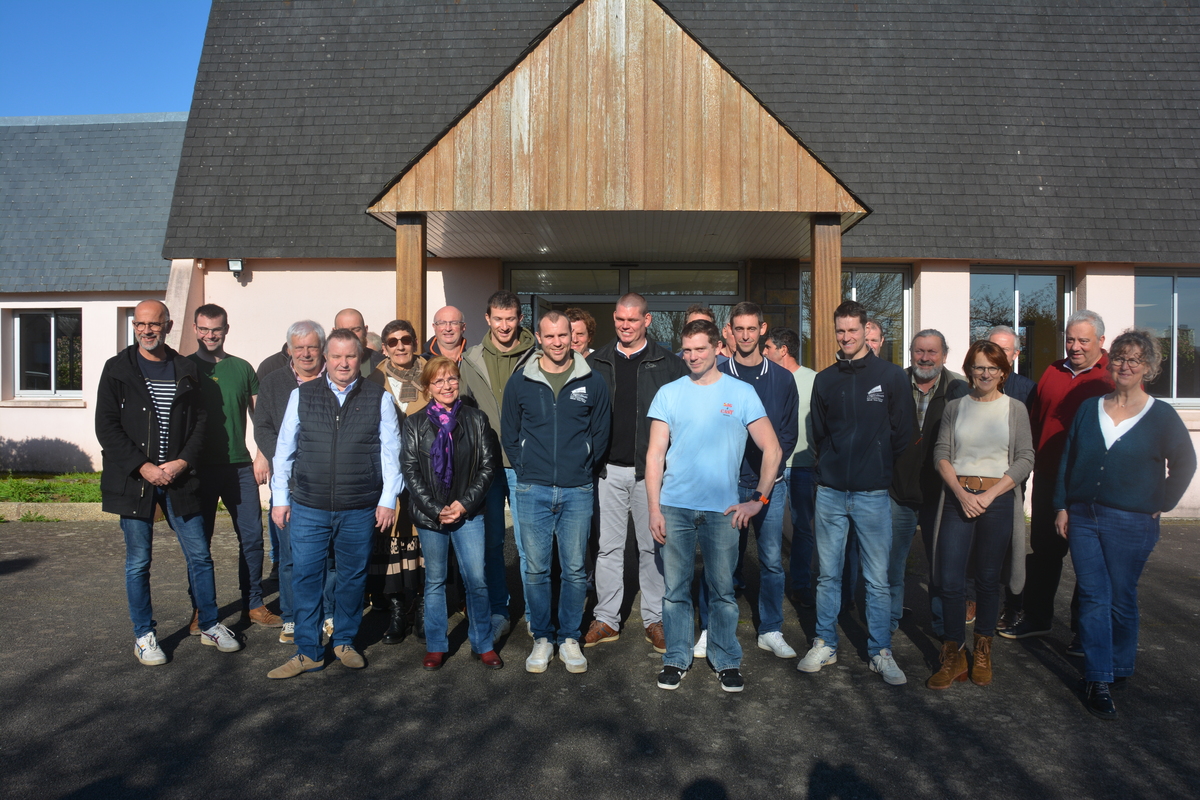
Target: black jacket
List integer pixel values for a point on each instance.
(916, 478)
(128, 436)
(657, 368)
(862, 418)
(476, 459)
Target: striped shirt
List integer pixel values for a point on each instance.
(160, 380)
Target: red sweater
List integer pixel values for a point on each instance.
(1060, 392)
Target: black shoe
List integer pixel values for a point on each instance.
(731, 680)
(1025, 629)
(395, 631)
(805, 598)
(1075, 648)
(1099, 700)
(419, 618)
(1009, 619)
(670, 678)
(1119, 685)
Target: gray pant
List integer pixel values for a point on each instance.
(621, 495)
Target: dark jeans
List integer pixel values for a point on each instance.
(990, 533)
(802, 493)
(234, 484)
(1043, 567)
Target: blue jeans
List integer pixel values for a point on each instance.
(1109, 549)
(273, 532)
(905, 518)
(718, 541)
(768, 534)
(503, 488)
(235, 485)
(139, 537)
(550, 513)
(802, 493)
(871, 515)
(468, 540)
(351, 533)
(988, 537)
(283, 557)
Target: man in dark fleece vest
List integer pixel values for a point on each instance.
(336, 478)
(862, 417)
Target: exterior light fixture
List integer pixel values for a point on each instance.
(235, 266)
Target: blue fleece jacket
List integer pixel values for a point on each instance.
(776, 388)
(555, 441)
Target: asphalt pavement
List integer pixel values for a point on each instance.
(81, 718)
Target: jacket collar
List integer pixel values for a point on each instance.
(533, 372)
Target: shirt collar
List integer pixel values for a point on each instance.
(640, 350)
(334, 388)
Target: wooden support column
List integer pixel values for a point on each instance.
(826, 238)
(410, 272)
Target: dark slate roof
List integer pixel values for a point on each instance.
(1005, 131)
(84, 201)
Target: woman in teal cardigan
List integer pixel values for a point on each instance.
(1112, 488)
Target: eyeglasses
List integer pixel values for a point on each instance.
(148, 326)
(988, 370)
(442, 383)
(405, 340)
(448, 323)
(209, 331)
(1132, 363)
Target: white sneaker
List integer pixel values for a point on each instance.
(773, 641)
(539, 659)
(701, 648)
(885, 665)
(329, 627)
(147, 650)
(287, 635)
(570, 654)
(821, 655)
(220, 637)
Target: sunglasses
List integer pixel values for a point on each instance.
(405, 340)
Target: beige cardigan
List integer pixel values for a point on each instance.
(1020, 464)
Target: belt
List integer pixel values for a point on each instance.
(975, 483)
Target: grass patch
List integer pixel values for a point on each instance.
(74, 487)
(33, 516)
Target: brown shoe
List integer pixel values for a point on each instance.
(954, 667)
(296, 665)
(599, 632)
(194, 628)
(970, 611)
(654, 635)
(263, 616)
(349, 656)
(981, 670)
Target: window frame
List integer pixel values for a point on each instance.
(54, 392)
(1068, 299)
(1174, 274)
(852, 269)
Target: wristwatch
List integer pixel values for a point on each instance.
(760, 497)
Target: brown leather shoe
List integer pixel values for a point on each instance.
(263, 616)
(954, 667)
(349, 656)
(970, 611)
(491, 659)
(599, 632)
(194, 628)
(296, 665)
(654, 635)
(981, 670)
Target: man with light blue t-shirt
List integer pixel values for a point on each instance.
(698, 430)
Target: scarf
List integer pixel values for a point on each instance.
(442, 451)
(406, 377)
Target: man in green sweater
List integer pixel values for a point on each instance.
(486, 368)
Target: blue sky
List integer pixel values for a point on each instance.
(100, 57)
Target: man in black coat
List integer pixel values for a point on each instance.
(150, 424)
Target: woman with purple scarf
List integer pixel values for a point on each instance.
(449, 457)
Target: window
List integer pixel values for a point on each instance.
(1034, 304)
(885, 293)
(1169, 306)
(49, 348)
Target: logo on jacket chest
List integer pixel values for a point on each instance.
(579, 394)
(876, 395)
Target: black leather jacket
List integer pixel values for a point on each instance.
(476, 459)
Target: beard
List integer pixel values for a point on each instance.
(926, 373)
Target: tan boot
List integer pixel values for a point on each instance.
(981, 670)
(954, 667)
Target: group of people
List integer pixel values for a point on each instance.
(387, 469)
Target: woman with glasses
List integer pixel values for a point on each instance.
(395, 569)
(983, 453)
(1112, 488)
(449, 456)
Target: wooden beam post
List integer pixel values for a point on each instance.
(826, 238)
(410, 273)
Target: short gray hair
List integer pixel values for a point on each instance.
(1000, 329)
(930, 332)
(303, 328)
(1090, 317)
